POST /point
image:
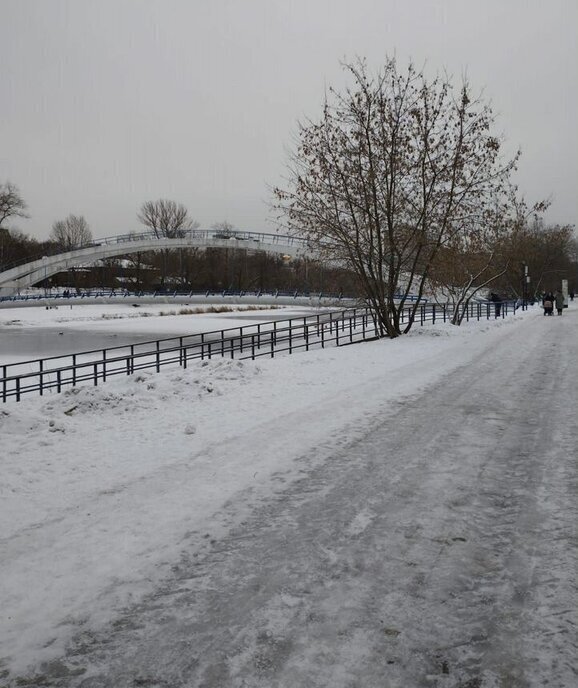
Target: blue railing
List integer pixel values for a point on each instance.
(175, 293)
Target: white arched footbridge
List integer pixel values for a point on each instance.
(30, 273)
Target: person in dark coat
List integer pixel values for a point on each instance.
(548, 303)
(559, 300)
(497, 301)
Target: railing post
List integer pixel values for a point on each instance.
(104, 365)
(95, 375)
(41, 384)
(158, 356)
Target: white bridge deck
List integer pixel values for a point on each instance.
(30, 273)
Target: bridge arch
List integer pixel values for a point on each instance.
(30, 273)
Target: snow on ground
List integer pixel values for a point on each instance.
(102, 487)
(30, 332)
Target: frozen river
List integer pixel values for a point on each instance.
(34, 332)
(41, 342)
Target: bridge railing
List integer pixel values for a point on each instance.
(332, 328)
(205, 234)
(239, 239)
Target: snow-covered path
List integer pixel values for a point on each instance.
(432, 543)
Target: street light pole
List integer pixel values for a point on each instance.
(525, 283)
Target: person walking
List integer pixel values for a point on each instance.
(497, 301)
(548, 304)
(559, 299)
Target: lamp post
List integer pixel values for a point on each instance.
(525, 283)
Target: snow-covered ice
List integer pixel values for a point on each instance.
(397, 513)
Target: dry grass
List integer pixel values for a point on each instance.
(191, 311)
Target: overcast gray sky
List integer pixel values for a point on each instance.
(109, 103)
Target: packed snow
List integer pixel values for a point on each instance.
(109, 494)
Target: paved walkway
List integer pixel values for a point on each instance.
(440, 550)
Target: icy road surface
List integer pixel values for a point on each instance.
(430, 543)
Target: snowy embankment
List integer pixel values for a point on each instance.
(101, 486)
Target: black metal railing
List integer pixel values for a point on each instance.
(249, 341)
(333, 328)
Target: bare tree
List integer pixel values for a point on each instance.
(166, 218)
(473, 259)
(17, 246)
(11, 205)
(395, 167)
(71, 233)
(547, 250)
(223, 229)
